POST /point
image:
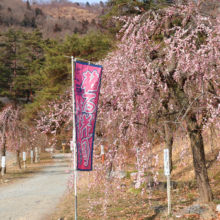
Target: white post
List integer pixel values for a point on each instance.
(102, 150)
(24, 158)
(74, 137)
(167, 173)
(103, 153)
(168, 194)
(3, 165)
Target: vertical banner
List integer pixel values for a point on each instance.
(87, 83)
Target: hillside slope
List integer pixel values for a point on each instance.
(53, 20)
(71, 11)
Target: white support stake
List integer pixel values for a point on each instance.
(102, 150)
(103, 154)
(167, 173)
(3, 165)
(24, 158)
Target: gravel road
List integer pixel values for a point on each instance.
(35, 197)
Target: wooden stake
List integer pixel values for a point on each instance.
(103, 158)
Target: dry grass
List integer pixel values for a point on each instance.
(129, 203)
(78, 13)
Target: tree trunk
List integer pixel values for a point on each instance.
(18, 160)
(169, 143)
(33, 158)
(3, 152)
(168, 135)
(212, 130)
(198, 152)
(111, 164)
(194, 131)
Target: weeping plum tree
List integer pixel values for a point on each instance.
(164, 74)
(55, 117)
(13, 131)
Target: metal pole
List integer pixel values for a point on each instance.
(74, 138)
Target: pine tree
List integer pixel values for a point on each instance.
(33, 22)
(93, 22)
(28, 6)
(9, 48)
(101, 4)
(38, 11)
(33, 53)
(22, 53)
(26, 21)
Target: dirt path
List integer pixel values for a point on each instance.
(36, 197)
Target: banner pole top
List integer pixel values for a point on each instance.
(75, 59)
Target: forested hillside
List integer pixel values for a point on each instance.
(53, 19)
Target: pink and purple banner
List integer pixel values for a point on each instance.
(87, 86)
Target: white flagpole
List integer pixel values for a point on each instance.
(74, 137)
(74, 132)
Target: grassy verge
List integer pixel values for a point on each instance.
(134, 204)
(126, 203)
